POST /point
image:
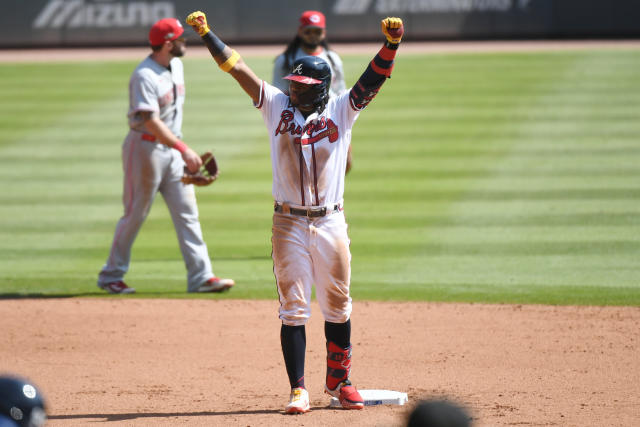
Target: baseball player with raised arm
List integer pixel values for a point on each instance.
(309, 135)
(154, 158)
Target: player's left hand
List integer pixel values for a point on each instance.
(192, 160)
(207, 173)
(393, 29)
(198, 21)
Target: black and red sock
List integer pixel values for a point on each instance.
(293, 340)
(339, 333)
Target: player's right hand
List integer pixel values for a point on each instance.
(198, 21)
(393, 29)
(192, 160)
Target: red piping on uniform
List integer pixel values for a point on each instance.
(127, 203)
(261, 95)
(301, 179)
(353, 106)
(315, 173)
(127, 209)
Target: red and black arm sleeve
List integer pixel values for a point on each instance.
(379, 69)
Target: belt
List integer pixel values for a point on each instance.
(313, 212)
(148, 137)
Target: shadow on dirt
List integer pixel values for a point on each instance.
(133, 416)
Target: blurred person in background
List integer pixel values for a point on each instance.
(154, 158)
(311, 39)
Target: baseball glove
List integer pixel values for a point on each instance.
(207, 173)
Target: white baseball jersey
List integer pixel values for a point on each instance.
(330, 57)
(153, 87)
(308, 157)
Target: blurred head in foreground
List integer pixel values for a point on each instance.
(438, 413)
(21, 403)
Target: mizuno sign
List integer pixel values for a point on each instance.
(102, 14)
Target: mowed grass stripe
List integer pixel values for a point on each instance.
(586, 143)
(483, 177)
(79, 175)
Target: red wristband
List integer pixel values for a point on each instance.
(180, 146)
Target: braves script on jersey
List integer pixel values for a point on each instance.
(308, 157)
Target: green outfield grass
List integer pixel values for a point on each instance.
(511, 177)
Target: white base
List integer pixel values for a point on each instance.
(377, 397)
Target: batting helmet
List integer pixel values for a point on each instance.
(21, 402)
(314, 71)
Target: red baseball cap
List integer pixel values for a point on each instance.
(165, 29)
(312, 18)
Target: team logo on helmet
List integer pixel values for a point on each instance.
(315, 72)
(171, 35)
(16, 413)
(29, 391)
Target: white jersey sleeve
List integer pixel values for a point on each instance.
(143, 92)
(347, 113)
(271, 103)
(143, 96)
(159, 89)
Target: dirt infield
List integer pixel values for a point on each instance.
(199, 51)
(136, 362)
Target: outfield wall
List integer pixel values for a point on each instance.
(59, 23)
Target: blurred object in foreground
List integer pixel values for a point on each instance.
(438, 413)
(21, 402)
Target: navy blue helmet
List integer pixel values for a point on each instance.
(314, 71)
(21, 402)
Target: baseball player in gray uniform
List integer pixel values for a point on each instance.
(310, 134)
(311, 40)
(154, 158)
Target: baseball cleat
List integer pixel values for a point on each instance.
(347, 394)
(298, 401)
(118, 287)
(215, 284)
